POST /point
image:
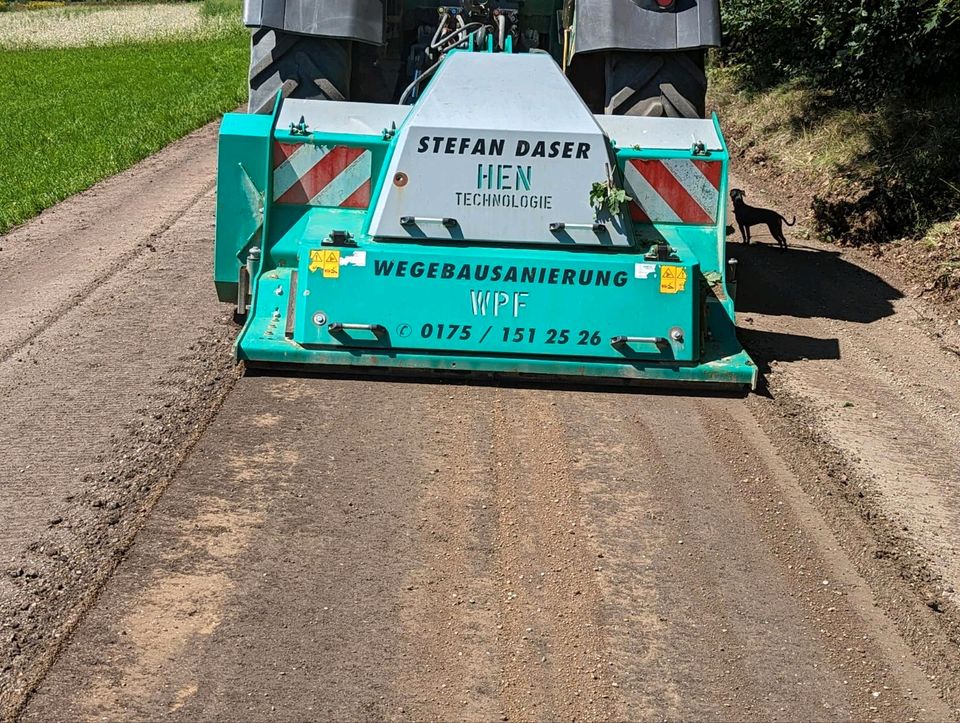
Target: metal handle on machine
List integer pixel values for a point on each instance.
(339, 326)
(597, 228)
(418, 220)
(621, 340)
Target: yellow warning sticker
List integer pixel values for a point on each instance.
(326, 260)
(331, 264)
(673, 279)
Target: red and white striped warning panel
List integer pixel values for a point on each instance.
(309, 175)
(673, 190)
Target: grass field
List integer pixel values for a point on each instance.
(72, 116)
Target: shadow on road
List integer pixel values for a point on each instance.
(768, 346)
(503, 381)
(805, 283)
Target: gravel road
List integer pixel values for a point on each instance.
(113, 353)
(181, 542)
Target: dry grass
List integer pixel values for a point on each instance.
(797, 126)
(943, 242)
(942, 232)
(873, 176)
(85, 26)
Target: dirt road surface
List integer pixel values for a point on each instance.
(113, 353)
(185, 544)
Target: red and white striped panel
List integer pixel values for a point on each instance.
(673, 190)
(309, 175)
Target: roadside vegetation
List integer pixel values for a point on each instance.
(91, 90)
(859, 103)
(95, 25)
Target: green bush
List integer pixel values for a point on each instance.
(865, 50)
(892, 63)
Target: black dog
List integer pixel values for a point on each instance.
(748, 216)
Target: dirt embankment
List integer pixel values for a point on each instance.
(926, 266)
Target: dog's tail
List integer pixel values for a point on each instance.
(789, 223)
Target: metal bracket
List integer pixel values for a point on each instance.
(339, 238)
(300, 129)
(699, 149)
(662, 252)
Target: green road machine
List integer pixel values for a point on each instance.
(495, 226)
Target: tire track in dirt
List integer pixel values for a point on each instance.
(719, 597)
(181, 608)
(119, 263)
(125, 361)
(723, 591)
(62, 572)
(861, 638)
(504, 598)
(309, 618)
(450, 599)
(54, 261)
(98, 369)
(619, 505)
(901, 584)
(555, 662)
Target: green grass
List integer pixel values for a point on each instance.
(217, 8)
(74, 116)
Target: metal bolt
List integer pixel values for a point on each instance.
(319, 318)
(676, 333)
(279, 291)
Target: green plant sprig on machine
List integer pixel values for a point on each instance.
(607, 196)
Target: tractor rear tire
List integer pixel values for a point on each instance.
(302, 66)
(655, 84)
